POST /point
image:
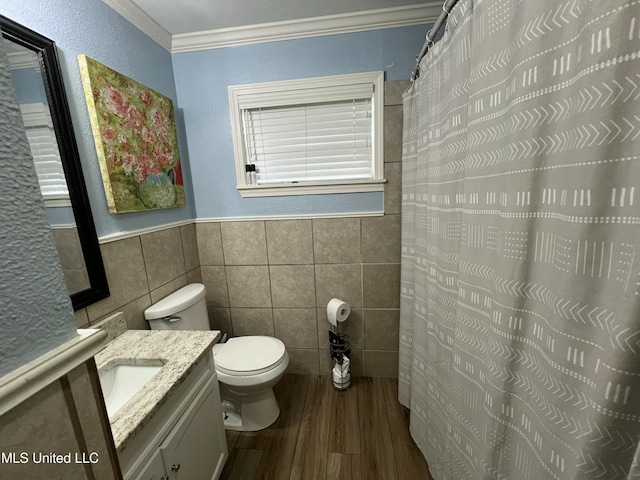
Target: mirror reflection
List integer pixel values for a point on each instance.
(34, 107)
(43, 102)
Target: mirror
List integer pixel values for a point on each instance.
(43, 102)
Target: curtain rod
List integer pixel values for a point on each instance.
(431, 34)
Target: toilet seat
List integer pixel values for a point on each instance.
(251, 355)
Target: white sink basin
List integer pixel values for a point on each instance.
(120, 382)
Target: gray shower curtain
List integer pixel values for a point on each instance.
(520, 320)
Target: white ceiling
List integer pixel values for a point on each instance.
(186, 16)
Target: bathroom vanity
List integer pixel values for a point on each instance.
(171, 427)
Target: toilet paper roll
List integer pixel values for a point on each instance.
(337, 311)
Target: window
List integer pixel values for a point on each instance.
(318, 135)
(46, 157)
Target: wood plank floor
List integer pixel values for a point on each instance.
(324, 434)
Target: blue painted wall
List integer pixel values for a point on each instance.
(28, 83)
(197, 82)
(202, 79)
(92, 28)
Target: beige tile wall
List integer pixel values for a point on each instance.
(275, 277)
(71, 259)
(143, 269)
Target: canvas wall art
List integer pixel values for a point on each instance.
(135, 135)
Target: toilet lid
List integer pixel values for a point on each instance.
(249, 355)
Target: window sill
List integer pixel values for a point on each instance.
(283, 189)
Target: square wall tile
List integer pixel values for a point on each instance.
(220, 319)
(336, 240)
(168, 288)
(289, 242)
(380, 364)
(381, 286)
(190, 246)
(393, 90)
(194, 276)
(126, 274)
(214, 280)
(209, 243)
(249, 286)
(352, 326)
(393, 134)
(302, 361)
(244, 243)
(252, 321)
(163, 256)
(393, 188)
(134, 313)
(69, 249)
(292, 285)
(381, 239)
(339, 281)
(381, 329)
(296, 327)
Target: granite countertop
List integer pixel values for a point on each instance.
(178, 352)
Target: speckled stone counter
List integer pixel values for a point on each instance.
(177, 351)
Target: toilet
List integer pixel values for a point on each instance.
(247, 367)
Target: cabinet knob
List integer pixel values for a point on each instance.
(175, 468)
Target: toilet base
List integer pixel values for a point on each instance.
(256, 411)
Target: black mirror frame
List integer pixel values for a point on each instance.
(61, 118)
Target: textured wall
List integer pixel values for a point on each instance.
(37, 313)
(93, 28)
(202, 79)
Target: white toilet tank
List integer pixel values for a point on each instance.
(184, 309)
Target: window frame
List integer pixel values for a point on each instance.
(289, 92)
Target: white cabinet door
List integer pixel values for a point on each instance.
(154, 470)
(196, 447)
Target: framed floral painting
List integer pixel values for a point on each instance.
(135, 135)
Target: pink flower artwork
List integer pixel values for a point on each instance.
(136, 143)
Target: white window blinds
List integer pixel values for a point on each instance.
(310, 143)
(44, 150)
(309, 136)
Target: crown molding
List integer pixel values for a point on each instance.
(408, 15)
(143, 22)
(308, 27)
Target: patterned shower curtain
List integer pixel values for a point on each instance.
(520, 320)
